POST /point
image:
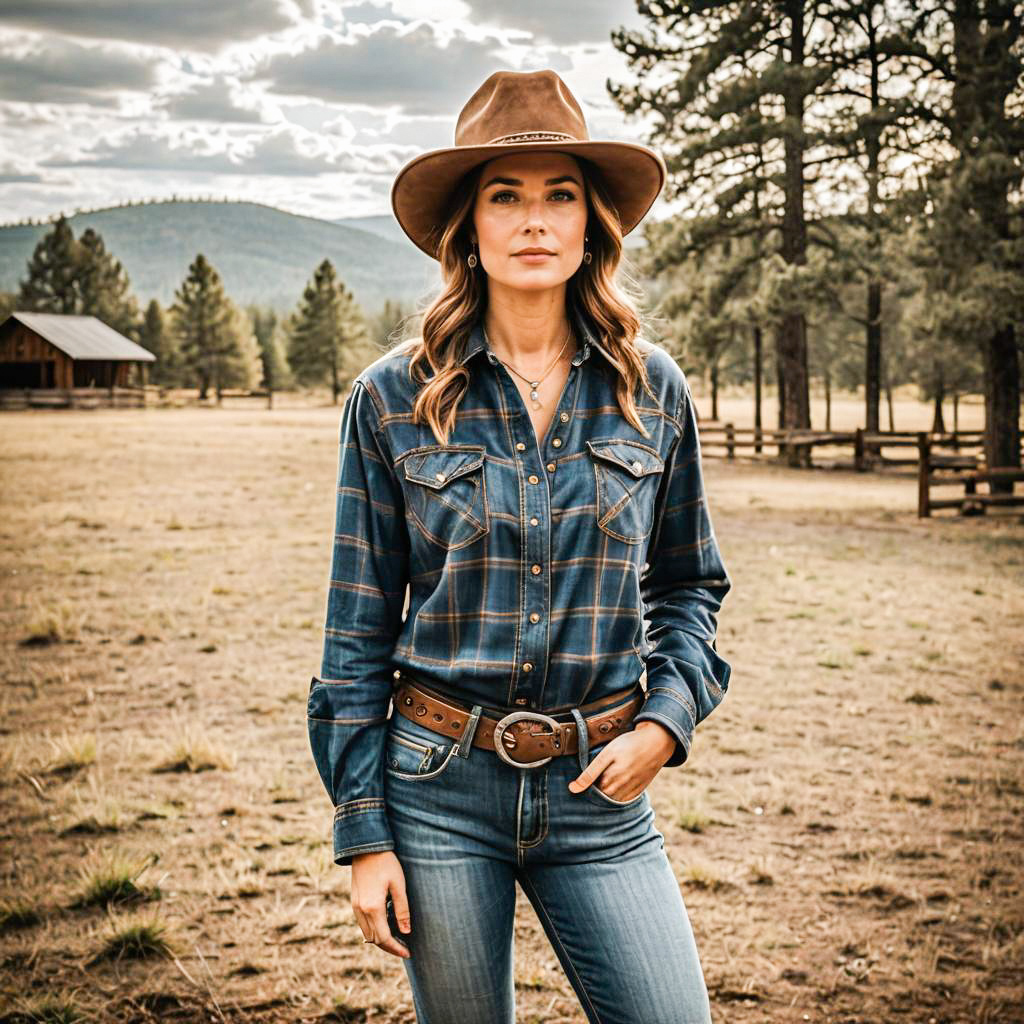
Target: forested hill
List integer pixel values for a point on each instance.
(262, 254)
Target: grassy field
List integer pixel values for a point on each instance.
(847, 830)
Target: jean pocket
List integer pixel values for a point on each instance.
(598, 796)
(626, 474)
(415, 753)
(446, 493)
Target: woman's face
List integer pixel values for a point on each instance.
(533, 200)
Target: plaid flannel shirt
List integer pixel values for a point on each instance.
(540, 573)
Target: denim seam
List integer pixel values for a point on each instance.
(381, 846)
(524, 881)
(364, 806)
(675, 696)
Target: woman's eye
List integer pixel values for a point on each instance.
(559, 192)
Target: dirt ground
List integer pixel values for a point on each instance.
(847, 831)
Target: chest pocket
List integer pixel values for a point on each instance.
(446, 495)
(627, 474)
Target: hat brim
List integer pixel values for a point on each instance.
(634, 175)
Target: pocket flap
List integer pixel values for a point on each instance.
(631, 456)
(438, 466)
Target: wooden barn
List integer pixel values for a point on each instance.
(49, 351)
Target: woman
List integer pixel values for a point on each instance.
(529, 469)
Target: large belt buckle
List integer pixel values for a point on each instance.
(504, 741)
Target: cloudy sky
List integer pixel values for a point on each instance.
(308, 105)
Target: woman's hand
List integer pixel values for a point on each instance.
(628, 764)
(374, 877)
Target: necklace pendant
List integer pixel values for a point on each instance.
(533, 394)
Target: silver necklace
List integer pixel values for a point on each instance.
(535, 384)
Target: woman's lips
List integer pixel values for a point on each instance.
(534, 257)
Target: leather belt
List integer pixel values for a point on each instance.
(533, 736)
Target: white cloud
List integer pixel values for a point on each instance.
(181, 24)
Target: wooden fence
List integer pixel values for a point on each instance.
(74, 398)
(971, 502)
(724, 440)
(117, 397)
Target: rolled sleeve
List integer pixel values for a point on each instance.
(348, 705)
(683, 585)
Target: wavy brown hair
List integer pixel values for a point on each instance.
(592, 293)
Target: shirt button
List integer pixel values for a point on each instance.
(551, 467)
(520, 446)
(564, 417)
(535, 570)
(534, 520)
(637, 466)
(527, 666)
(439, 476)
(520, 700)
(534, 617)
(557, 443)
(534, 479)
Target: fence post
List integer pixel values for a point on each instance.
(858, 450)
(924, 459)
(730, 441)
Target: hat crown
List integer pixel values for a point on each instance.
(521, 106)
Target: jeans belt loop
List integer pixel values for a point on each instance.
(464, 744)
(583, 743)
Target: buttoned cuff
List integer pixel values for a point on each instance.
(361, 826)
(670, 709)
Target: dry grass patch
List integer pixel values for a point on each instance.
(196, 751)
(135, 936)
(70, 752)
(19, 912)
(47, 1009)
(112, 878)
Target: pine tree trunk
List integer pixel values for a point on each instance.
(828, 400)
(714, 391)
(938, 423)
(979, 108)
(780, 379)
(1002, 404)
(793, 333)
(757, 385)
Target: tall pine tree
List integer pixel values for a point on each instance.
(757, 107)
(218, 348)
(79, 277)
(157, 337)
(53, 282)
(969, 61)
(105, 288)
(326, 332)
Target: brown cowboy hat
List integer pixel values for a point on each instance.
(515, 112)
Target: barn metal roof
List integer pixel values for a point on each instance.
(82, 337)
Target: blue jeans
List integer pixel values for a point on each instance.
(468, 826)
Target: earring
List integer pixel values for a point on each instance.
(587, 255)
(471, 258)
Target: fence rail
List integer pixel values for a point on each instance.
(725, 440)
(972, 502)
(118, 397)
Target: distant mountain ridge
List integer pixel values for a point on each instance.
(263, 254)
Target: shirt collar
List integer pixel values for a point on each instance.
(478, 343)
